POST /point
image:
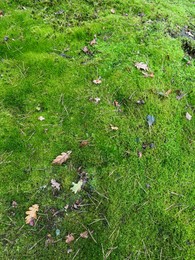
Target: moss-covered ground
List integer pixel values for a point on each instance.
(138, 200)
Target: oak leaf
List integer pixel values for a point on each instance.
(69, 238)
(77, 186)
(32, 214)
(55, 184)
(62, 158)
(141, 66)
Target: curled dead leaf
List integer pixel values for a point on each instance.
(32, 214)
(69, 238)
(148, 75)
(84, 234)
(93, 42)
(168, 92)
(14, 204)
(85, 49)
(49, 240)
(139, 154)
(116, 103)
(95, 100)
(141, 66)
(84, 143)
(55, 184)
(62, 158)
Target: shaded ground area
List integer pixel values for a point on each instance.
(112, 82)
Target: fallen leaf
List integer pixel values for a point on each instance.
(150, 120)
(41, 118)
(190, 34)
(114, 128)
(188, 116)
(84, 234)
(85, 49)
(69, 238)
(95, 100)
(164, 94)
(60, 159)
(180, 95)
(93, 42)
(49, 240)
(112, 11)
(139, 154)
(148, 75)
(14, 204)
(32, 214)
(69, 251)
(1, 13)
(97, 81)
(140, 102)
(55, 184)
(168, 92)
(116, 103)
(77, 186)
(141, 66)
(84, 143)
(57, 232)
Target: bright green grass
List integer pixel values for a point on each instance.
(137, 208)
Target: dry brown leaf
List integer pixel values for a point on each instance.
(93, 42)
(14, 204)
(49, 240)
(69, 238)
(84, 234)
(84, 143)
(168, 92)
(139, 154)
(1, 13)
(97, 81)
(62, 158)
(95, 100)
(85, 49)
(32, 214)
(55, 184)
(148, 75)
(141, 66)
(116, 103)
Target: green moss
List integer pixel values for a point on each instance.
(136, 208)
